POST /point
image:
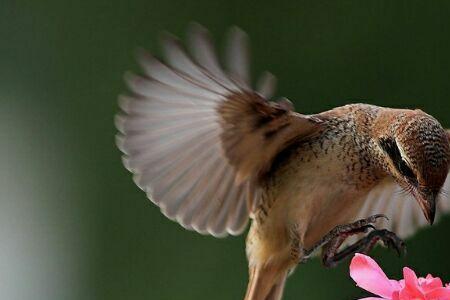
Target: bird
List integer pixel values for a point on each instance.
(214, 153)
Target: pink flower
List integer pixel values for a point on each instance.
(369, 276)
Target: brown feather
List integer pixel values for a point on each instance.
(256, 130)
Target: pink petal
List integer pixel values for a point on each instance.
(397, 285)
(369, 276)
(430, 283)
(405, 294)
(410, 277)
(439, 293)
(396, 295)
(411, 284)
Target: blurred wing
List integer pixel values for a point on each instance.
(405, 215)
(197, 137)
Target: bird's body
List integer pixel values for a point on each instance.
(305, 177)
(314, 186)
(213, 153)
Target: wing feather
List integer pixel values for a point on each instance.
(238, 57)
(266, 85)
(204, 53)
(197, 138)
(180, 61)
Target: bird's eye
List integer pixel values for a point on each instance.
(406, 171)
(389, 145)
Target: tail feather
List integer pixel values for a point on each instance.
(276, 293)
(266, 283)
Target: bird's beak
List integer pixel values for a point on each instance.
(427, 202)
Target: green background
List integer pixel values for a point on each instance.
(72, 223)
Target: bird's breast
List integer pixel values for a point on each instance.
(319, 187)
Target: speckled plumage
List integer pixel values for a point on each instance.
(213, 153)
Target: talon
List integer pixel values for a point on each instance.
(363, 228)
(331, 255)
(372, 219)
(370, 226)
(401, 249)
(378, 216)
(391, 240)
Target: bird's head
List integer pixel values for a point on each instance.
(416, 152)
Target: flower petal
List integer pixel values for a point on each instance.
(430, 283)
(412, 288)
(439, 293)
(369, 276)
(397, 284)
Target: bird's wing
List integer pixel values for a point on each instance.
(197, 137)
(405, 215)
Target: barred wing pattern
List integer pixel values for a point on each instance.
(196, 137)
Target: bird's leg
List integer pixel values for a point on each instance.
(331, 257)
(334, 239)
(341, 232)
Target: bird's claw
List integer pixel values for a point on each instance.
(392, 241)
(332, 256)
(374, 218)
(360, 226)
(368, 222)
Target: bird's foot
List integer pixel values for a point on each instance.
(341, 232)
(331, 256)
(331, 242)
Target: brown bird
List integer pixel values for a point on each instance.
(213, 153)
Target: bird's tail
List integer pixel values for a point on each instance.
(266, 283)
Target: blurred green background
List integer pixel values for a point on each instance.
(72, 223)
